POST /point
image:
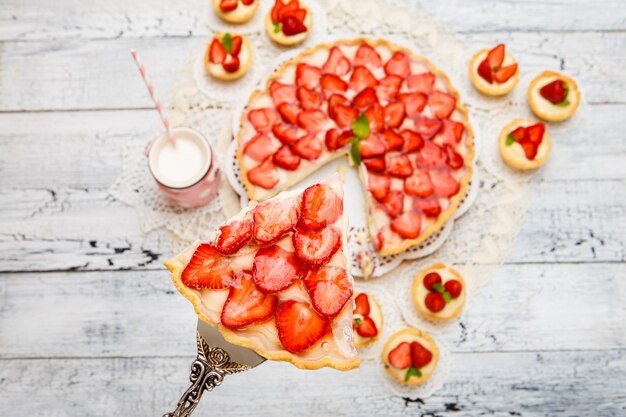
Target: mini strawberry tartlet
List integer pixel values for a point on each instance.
(524, 144)
(494, 72)
(553, 97)
(410, 356)
(288, 23)
(235, 11)
(368, 320)
(439, 292)
(228, 57)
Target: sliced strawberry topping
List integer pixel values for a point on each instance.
(276, 12)
(289, 112)
(453, 287)
(419, 184)
(554, 92)
(399, 166)
(530, 149)
(299, 325)
(412, 141)
(376, 117)
(217, 52)
(454, 160)
(334, 101)
(312, 120)
(400, 356)
(379, 241)
(332, 84)
(362, 302)
(236, 47)
(484, 70)
(274, 269)
(375, 164)
(263, 119)
(444, 184)
(414, 103)
(394, 114)
(429, 206)
(273, 219)
(441, 104)
(367, 56)
(505, 73)
(259, 147)
(231, 63)
(407, 225)
(420, 356)
(378, 185)
(372, 146)
(367, 327)
(307, 75)
(286, 159)
(398, 64)
(344, 116)
(336, 139)
(247, 2)
(337, 63)
(298, 14)
(320, 207)
(365, 98)
(316, 248)
(284, 8)
(427, 128)
(233, 236)
(207, 269)
(292, 25)
(452, 132)
(421, 83)
(245, 304)
(388, 87)
(282, 93)
(519, 133)
(431, 156)
(393, 141)
(434, 302)
(309, 147)
(362, 78)
(329, 288)
(431, 279)
(535, 133)
(393, 203)
(264, 175)
(287, 134)
(495, 57)
(228, 5)
(309, 99)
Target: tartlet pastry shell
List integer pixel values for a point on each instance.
(420, 303)
(521, 162)
(548, 116)
(495, 89)
(223, 75)
(392, 343)
(282, 39)
(366, 342)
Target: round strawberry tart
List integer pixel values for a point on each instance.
(394, 114)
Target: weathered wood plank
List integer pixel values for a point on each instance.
(81, 74)
(552, 384)
(25, 20)
(526, 307)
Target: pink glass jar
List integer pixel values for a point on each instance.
(188, 172)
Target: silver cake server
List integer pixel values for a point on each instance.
(216, 359)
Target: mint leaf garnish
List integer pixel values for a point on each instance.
(563, 103)
(276, 27)
(357, 322)
(355, 151)
(361, 127)
(510, 139)
(447, 297)
(495, 69)
(227, 42)
(411, 372)
(438, 287)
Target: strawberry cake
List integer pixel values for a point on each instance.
(275, 279)
(394, 115)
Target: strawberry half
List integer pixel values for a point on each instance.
(228, 5)
(421, 83)
(320, 207)
(332, 84)
(535, 133)
(308, 76)
(393, 141)
(273, 219)
(362, 303)
(453, 287)
(237, 42)
(263, 119)
(231, 63)
(427, 128)
(555, 92)
(264, 175)
(365, 98)
(431, 156)
(419, 184)
(530, 148)
(259, 147)
(444, 184)
(292, 25)
(376, 117)
(217, 52)
(316, 248)
(372, 146)
(344, 116)
(207, 269)
(362, 78)
(330, 289)
(233, 236)
(495, 57)
(484, 70)
(399, 166)
(505, 73)
(429, 206)
(434, 302)
(289, 112)
(407, 225)
(309, 99)
(412, 141)
(420, 356)
(414, 103)
(286, 159)
(337, 63)
(288, 134)
(335, 139)
(299, 326)
(378, 185)
(334, 101)
(441, 104)
(245, 304)
(312, 120)
(454, 160)
(394, 114)
(367, 56)
(367, 327)
(431, 279)
(393, 203)
(282, 93)
(388, 87)
(274, 269)
(309, 147)
(452, 132)
(398, 64)
(400, 356)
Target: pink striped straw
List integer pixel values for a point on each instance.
(157, 103)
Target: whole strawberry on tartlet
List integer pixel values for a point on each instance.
(288, 23)
(494, 72)
(524, 144)
(439, 292)
(235, 11)
(368, 320)
(553, 97)
(410, 356)
(228, 57)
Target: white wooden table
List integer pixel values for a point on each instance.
(90, 324)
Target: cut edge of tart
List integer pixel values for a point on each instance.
(547, 110)
(296, 177)
(333, 348)
(241, 12)
(409, 335)
(419, 292)
(365, 313)
(244, 57)
(493, 88)
(516, 155)
(288, 40)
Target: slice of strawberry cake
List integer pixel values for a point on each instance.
(395, 115)
(275, 279)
